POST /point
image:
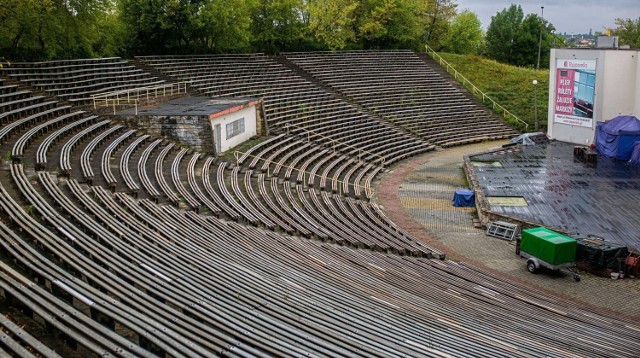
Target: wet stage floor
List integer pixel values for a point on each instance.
(601, 199)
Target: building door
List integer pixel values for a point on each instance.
(218, 138)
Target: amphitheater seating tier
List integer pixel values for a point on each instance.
(114, 243)
(401, 88)
(77, 80)
(292, 104)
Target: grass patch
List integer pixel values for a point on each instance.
(509, 86)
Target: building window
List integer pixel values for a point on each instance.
(234, 128)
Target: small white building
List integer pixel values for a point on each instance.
(213, 125)
(234, 122)
(587, 86)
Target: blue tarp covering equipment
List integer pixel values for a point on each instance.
(635, 155)
(615, 138)
(464, 197)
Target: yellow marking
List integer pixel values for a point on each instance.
(507, 201)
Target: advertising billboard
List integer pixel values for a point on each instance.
(575, 92)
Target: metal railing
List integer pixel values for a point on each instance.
(335, 142)
(475, 90)
(133, 95)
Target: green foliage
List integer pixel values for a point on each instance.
(61, 29)
(186, 26)
(525, 42)
(465, 34)
(332, 22)
(277, 25)
(513, 38)
(225, 25)
(501, 33)
(629, 32)
(43, 29)
(509, 86)
(439, 14)
(390, 23)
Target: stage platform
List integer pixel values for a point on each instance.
(581, 198)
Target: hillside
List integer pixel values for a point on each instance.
(508, 85)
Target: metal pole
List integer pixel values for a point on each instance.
(535, 104)
(540, 38)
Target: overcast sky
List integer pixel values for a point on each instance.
(570, 16)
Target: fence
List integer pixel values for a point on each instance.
(133, 95)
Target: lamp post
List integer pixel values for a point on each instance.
(535, 104)
(540, 37)
(553, 33)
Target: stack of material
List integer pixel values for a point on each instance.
(599, 256)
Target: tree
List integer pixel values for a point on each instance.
(438, 15)
(44, 29)
(225, 26)
(465, 34)
(277, 25)
(332, 22)
(391, 23)
(629, 32)
(513, 39)
(502, 32)
(161, 26)
(525, 42)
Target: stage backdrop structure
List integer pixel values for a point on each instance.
(587, 86)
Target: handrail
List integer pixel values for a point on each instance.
(133, 95)
(475, 90)
(382, 159)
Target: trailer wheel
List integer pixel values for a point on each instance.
(531, 266)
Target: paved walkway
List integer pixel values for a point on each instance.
(417, 196)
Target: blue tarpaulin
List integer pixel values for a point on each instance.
(635, 154)
(464, 197)
(625, 144)
(615, 138)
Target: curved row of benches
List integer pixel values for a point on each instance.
(111, 274)
(248, 198)
(291, 103)
(190, 285)
(401, 88)
(77, 80)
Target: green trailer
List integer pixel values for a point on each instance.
(546, 248)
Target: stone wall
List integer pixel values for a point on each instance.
(192, 131)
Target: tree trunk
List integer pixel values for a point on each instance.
(16, 41)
